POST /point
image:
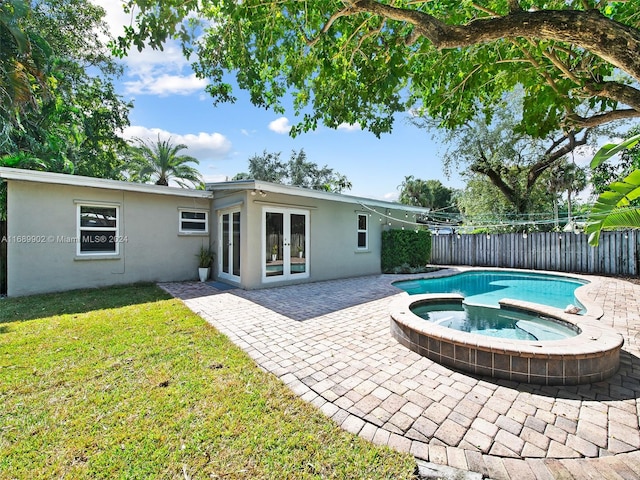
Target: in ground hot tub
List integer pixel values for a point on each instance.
(538, 344)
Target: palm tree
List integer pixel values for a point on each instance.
(24, 57)
(159, 161)
(566, 177)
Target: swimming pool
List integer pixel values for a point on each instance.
(487, 287)
(592, 355)
(494, 322)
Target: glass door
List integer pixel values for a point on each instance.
(285, 244)
(229, 245)
(298, 243)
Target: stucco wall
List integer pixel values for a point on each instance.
(42, 216)
(333, 249)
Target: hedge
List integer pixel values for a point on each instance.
(405, 248)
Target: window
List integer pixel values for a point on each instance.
(363, 231)
(193, 221)
(98, 229)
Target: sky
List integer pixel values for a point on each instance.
(169, 100)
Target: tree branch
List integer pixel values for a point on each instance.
(619, 92)
(614, 42)
(483, 167)
(553, 154)
(602, 118)
(547, 77)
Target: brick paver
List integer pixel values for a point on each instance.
(330, 343)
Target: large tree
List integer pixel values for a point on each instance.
(426, 193)
(512, 160)
(297, 171)
(62, 111)
(24, 55)
(365, 60)
(483, 207)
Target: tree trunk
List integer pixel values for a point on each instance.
(555, 209)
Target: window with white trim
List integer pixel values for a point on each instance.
(98, 227)
(363, 231)
(193, 221)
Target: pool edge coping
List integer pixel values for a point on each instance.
(592, 309)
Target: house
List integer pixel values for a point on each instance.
(66, 232)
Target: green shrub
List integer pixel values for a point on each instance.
(405, 248)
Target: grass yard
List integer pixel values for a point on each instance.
(126, 382)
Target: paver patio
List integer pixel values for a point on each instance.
(330, 343)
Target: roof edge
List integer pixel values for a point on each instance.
(271, 187)
(19, 174)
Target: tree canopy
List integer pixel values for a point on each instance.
(512, 160)
(297, 171)
(483, 207)
(59, 108)
(23, 58)
(426, 193)
(362, 61)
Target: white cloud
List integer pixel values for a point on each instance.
(152, 72)
(115, 17)
(390, 197)
(582, 155)
(203, 146)
(148, 61)
(215, 178)
(280, 125)
(349, 127)
(164, 85)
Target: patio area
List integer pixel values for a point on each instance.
(330, 343)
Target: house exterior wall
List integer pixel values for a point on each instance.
(43, 217)
(333, 251)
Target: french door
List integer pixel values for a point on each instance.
(285, 243)
(229, 245)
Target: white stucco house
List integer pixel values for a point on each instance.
(66, 232)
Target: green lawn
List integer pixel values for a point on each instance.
(128, 383)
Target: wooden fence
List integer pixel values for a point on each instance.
(617, 254)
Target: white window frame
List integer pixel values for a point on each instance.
(186, 231)
(360, 230)
(110, 230)
(286, 247)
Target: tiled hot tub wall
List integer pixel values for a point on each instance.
(593, 355)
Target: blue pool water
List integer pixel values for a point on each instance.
(493, 322)
(487, 288)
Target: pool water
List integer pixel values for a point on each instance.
(493, 322)
(488, 288)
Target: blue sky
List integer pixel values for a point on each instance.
(169, 100)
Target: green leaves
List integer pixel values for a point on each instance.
(405, 247)
(160, 162)
(611, 149)
(364, 62)
(56, 115)
(616, 207)
(297, 171)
